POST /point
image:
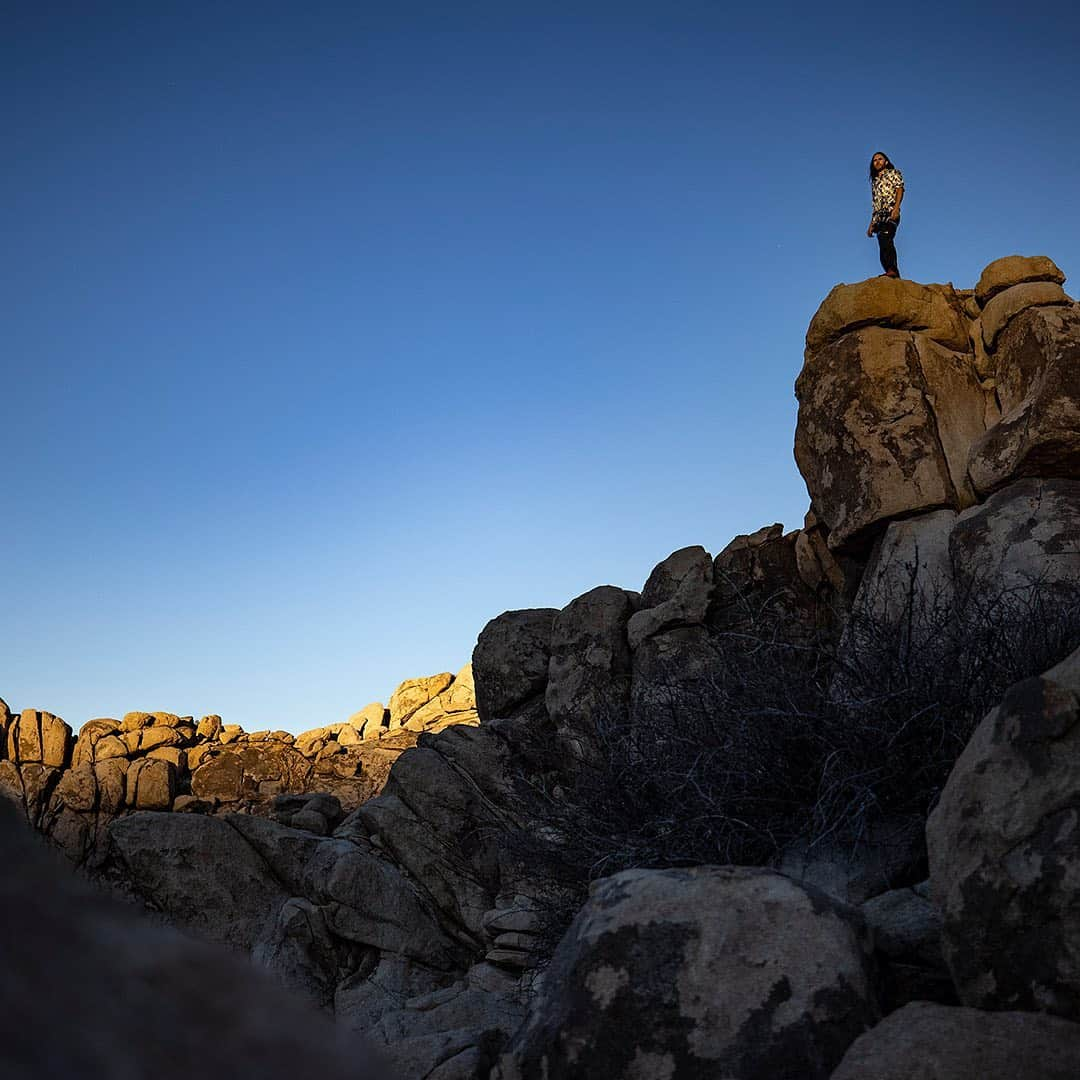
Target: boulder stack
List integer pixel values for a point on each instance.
(378, 868)
(72, 788)
(915, 398)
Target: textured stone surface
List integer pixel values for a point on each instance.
(906, 927)
(201, 871)
(298, 949)
(935, 1042)
(1026, 533)
(758, 582)
(925, 572)
(413, 693)
(437, 818)
(1038, 385)
(456, 704)
(453, 1033)
(510, 661)
(589, 670)
(89, 989)
(1004, 845)
(369, 720)
(904, 922)
(1006, 305)
(714, 971)
(1012, 270)
(934, 310)
(886, 420)
(911, 558)
(677, 594)
(152, 784)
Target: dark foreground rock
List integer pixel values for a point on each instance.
(1004, 845)
(707, 972)
(89, 989)
(934, 1042)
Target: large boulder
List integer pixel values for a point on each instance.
(200, 871)
(510, 661)
(759, 583)
(928, 577)
(1004, 847)
(1012, 270)
(441, 819)
(677, 594)
(414, 693)
(589, 671)
(454, 705)
(1024, 536)
(90, 989)
(370, 901)
(911, 562)
(712, 971)
(936, 311)
(1038, 384)
(453, 1033)
(886, 420)
(935, 1042)
(1006, 305)
(39, 738)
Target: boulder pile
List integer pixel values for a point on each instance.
(72, 788)
(938, 436)
(915, 398)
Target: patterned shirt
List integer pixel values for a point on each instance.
(885, 186)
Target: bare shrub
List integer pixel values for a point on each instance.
(793, 738)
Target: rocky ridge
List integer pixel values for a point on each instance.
(938, 436)
(72, 787)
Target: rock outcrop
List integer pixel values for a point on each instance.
(711, 971)
(1004, 847)
(73, 788)
(934, 1042)
(378, 868)
(1036, 372)
(90, 989)
(915, 398)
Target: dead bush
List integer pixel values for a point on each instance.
(789, 739)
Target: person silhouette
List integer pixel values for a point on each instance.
(887, 190)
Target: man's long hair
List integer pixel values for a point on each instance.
(888, 163)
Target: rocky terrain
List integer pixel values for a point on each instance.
(406, 891)
(72, 788)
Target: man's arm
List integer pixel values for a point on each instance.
(895, 214)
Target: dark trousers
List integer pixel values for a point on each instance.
(886, 230)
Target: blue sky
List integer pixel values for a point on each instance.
(335, 329)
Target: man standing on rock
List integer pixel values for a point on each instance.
(887, 186)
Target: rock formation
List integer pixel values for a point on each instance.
(937, 1043)
(915, 398)
(387, 880)
(73, 788)
(90, 989)
(723, 971)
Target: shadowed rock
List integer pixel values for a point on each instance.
(1004, 845)
(89, 989)
(1012, 270)
(935, 1042)
(713, 971)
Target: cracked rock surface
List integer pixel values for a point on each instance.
(1004, 846)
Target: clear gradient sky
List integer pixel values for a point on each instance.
(332, 330)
